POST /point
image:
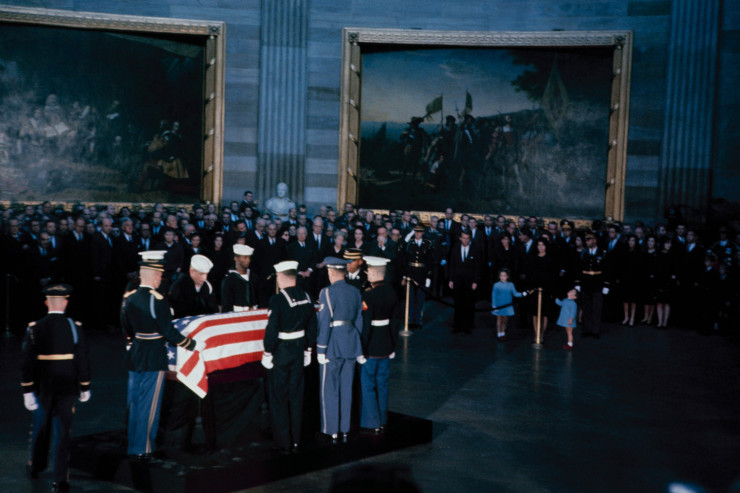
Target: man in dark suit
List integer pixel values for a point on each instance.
(273, 252)
(322, 246)
(146, 242)
(464, 265)
(76, 270)
(172, 259)
(101, 255)
(449, 227)
(126, 255)
(303, 253)
(526, 251)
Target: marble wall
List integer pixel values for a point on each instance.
(311, 110)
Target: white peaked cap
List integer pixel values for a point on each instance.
(375, 261)
(201, 263)
(243, 250)
(153, 255)
(286, 265)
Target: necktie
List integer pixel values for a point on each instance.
(272, 241)
(110, 243)
(43, 252)
(465, 253)
(302, 245)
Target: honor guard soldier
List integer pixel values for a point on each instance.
(237, 288)
(418, 253)
(592, 284)
(289, 336)
(146, 319)
(356, 275)
(378, 344)
(55, 372)
(192, 294)
(337, 348)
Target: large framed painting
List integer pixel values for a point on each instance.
(110, 108)
(506, 123)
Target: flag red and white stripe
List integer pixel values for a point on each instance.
(232, 339)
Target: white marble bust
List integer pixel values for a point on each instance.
(280, 205)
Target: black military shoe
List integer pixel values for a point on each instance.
(60, 486)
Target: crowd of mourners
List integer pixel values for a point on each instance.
(665, 275)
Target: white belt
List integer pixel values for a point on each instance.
(380, 323)
(337, 323)
(240, 308)
(291, 335)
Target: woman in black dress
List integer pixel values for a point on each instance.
(223, 260)
(542, 276)
(665, 281)
(630, 280)
(648, 271)
(505, 256)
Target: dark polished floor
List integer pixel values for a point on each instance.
(637, 410)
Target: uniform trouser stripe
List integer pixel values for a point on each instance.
(323, 398)
(153, 411)
(145, 401)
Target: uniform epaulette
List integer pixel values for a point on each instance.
(32, 324)
(78, 324)
(129, 293)
(156, 294)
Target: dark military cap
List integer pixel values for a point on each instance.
(418, 227)
(353, 254)
(152, 260)
(336, 263)
(57, 290)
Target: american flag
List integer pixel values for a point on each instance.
(232, 339)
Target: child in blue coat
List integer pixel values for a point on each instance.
(568, 316)
(503, 293)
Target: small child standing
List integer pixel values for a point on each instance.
(503, 293)
(568, 315)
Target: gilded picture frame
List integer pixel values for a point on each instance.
(190, 53)
(614, 47)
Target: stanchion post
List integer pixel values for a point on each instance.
(406, 332)
(7, 306)
(538, 322)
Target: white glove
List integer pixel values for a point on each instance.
(267, 360)
(408, 236)
(361, 359)
(200, 345)
(306, 358)
(30, 401)
(321, 358)
(578, 288)
(392, 355)
(427, 283)
(85, 396)
(605, 291)
(525, 294)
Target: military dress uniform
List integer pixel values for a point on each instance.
(289, 336)
(378, 344)
(238, 292)
(55, 365)
(340, 323)
(147, 323)
(418, 258)
(592, 280)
